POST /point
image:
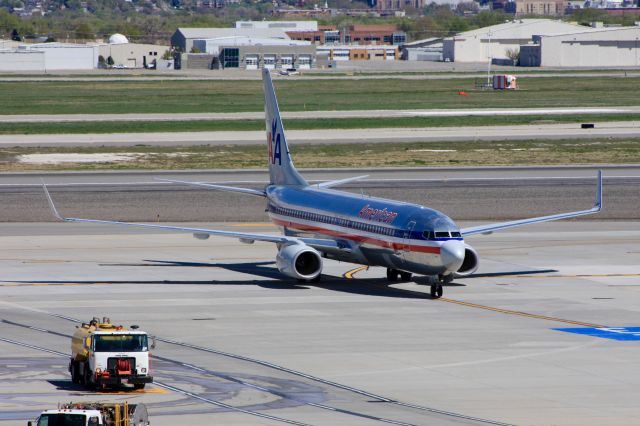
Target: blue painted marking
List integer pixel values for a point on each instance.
(614, 333)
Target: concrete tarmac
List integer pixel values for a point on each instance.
(608, 130)
(259, 115)
(233, 335)
(488, 193)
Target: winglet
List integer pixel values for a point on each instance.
(51, 205)
(598, 204)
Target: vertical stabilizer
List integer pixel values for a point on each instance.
(281, 169)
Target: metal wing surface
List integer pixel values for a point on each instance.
(320, 244)
(488, 229)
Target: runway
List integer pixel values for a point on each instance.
(608, 130)
(238, 345)
(259, 115)
(461, 193)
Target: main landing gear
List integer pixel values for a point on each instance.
(393, 274)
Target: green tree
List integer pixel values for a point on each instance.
(84, 31)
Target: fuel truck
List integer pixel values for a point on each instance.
(107, 355)
(94, 414)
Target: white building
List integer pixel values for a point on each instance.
(21, 60)
(213, 45)
(601, 47)
(49, 57)
(495, 41)
(285, 25)
(183, 38)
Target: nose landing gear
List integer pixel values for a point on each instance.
(436, 291)
(436, 287)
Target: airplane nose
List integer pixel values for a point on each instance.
(452, 255)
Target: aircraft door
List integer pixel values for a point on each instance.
(406, 241)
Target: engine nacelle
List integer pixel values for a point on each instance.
(470, 263)
(299, 261)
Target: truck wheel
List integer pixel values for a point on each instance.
(75, 374)
(87, 379)
(138, 386)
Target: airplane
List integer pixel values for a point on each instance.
(319, 222)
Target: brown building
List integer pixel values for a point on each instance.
(353, 34)
(399, 4)
(541, 7)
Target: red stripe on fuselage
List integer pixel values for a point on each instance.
(357, 238)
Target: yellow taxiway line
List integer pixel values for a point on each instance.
(350, 274)
(519, 313)
(153, 390)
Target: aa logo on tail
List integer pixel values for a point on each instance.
(274, 144)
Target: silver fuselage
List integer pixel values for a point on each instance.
(378, 231)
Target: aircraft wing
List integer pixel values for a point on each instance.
(319, 244)
(488, 229)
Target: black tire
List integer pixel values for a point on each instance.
(87, 378)
(436, 291)
(139, 386)
(392, 275)
(406, 276)
(75, 374)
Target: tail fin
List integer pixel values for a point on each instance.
(281, 169)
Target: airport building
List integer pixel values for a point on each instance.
(45, 57)
(131, 55)
(360, 53)
(429, 49)
(253, 53)
(353, 34)
(286, 25)
(497, 41)
(183, 38)
(602, 47)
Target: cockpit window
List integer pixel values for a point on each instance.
(442, 234)
(456, 234)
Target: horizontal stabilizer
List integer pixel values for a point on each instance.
(332, 183)
(217, 187)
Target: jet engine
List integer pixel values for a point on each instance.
(299, 261)
(470, 263)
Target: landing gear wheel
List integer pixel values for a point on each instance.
(138, 386)
(406, 276)
(392, 274)
(75, 374)
(436, 291)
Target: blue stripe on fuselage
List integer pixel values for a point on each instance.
(340, 208)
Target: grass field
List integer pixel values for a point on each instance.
(480, 153)
(95, 97)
